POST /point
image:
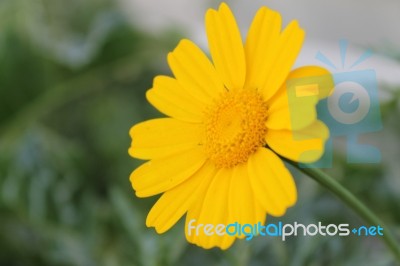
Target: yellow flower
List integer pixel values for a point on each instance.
(215, 156)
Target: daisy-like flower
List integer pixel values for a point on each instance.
(215, 156)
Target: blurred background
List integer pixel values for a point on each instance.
(73, 76)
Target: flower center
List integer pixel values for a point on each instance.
(235, 127)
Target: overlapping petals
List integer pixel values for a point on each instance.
(178, 165)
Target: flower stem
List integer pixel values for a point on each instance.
(352, 201)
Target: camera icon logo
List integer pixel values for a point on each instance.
(350, 111)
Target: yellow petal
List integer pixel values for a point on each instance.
(192, 216)
(194, 72)
(159, 175)
(226, 46)
(284, 53)
(306, 145)
(243, 206)
(212, 210)
(260, 47)
(175, 202)
(168, 96)
(272, 183)
(162, 137)
(293, 106)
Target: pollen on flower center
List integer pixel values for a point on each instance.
(235, 127)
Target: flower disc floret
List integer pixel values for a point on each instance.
(235, 127)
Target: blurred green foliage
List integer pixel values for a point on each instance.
(72, 81)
